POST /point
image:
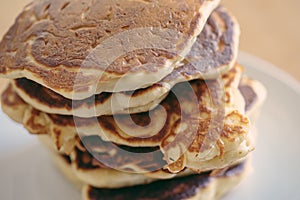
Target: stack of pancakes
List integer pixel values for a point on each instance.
(135, 99)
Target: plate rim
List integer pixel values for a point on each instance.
(270, 69)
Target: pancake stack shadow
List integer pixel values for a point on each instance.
(134, 99)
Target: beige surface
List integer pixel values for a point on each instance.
(269, 28)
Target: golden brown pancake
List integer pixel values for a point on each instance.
(194, 187)
(92, 172)
(79, 48)
(81, 167)
(211, 185)
(62, 124)
(209, 132)
(214, 52)
(89, 170)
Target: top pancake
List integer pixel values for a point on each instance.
(215, 51)
(79, 48)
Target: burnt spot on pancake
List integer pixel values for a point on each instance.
(84, 160)
(54, 100)
(173, 189)
(66, 158)
(121, 157)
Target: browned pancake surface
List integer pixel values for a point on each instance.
(92, 153)
(175, 189)
(216, 47)
(51, 39)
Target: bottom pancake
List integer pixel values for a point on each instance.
(204, 186)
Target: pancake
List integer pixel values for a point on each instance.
(211, 133)
(81, 168)
(194, 187)
(65, 124)
(90, 171)
(79, 48)
(206, 58)
(255, 95)
(207, 186)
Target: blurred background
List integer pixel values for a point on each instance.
(270, 29)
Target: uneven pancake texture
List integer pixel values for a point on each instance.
(213, 53)
(205, 186)
(194, 187)
(209, 132)
(78, 48)
(92, 172)
(83, 167)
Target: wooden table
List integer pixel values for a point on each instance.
(270, 29)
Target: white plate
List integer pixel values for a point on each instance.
(27, 173)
